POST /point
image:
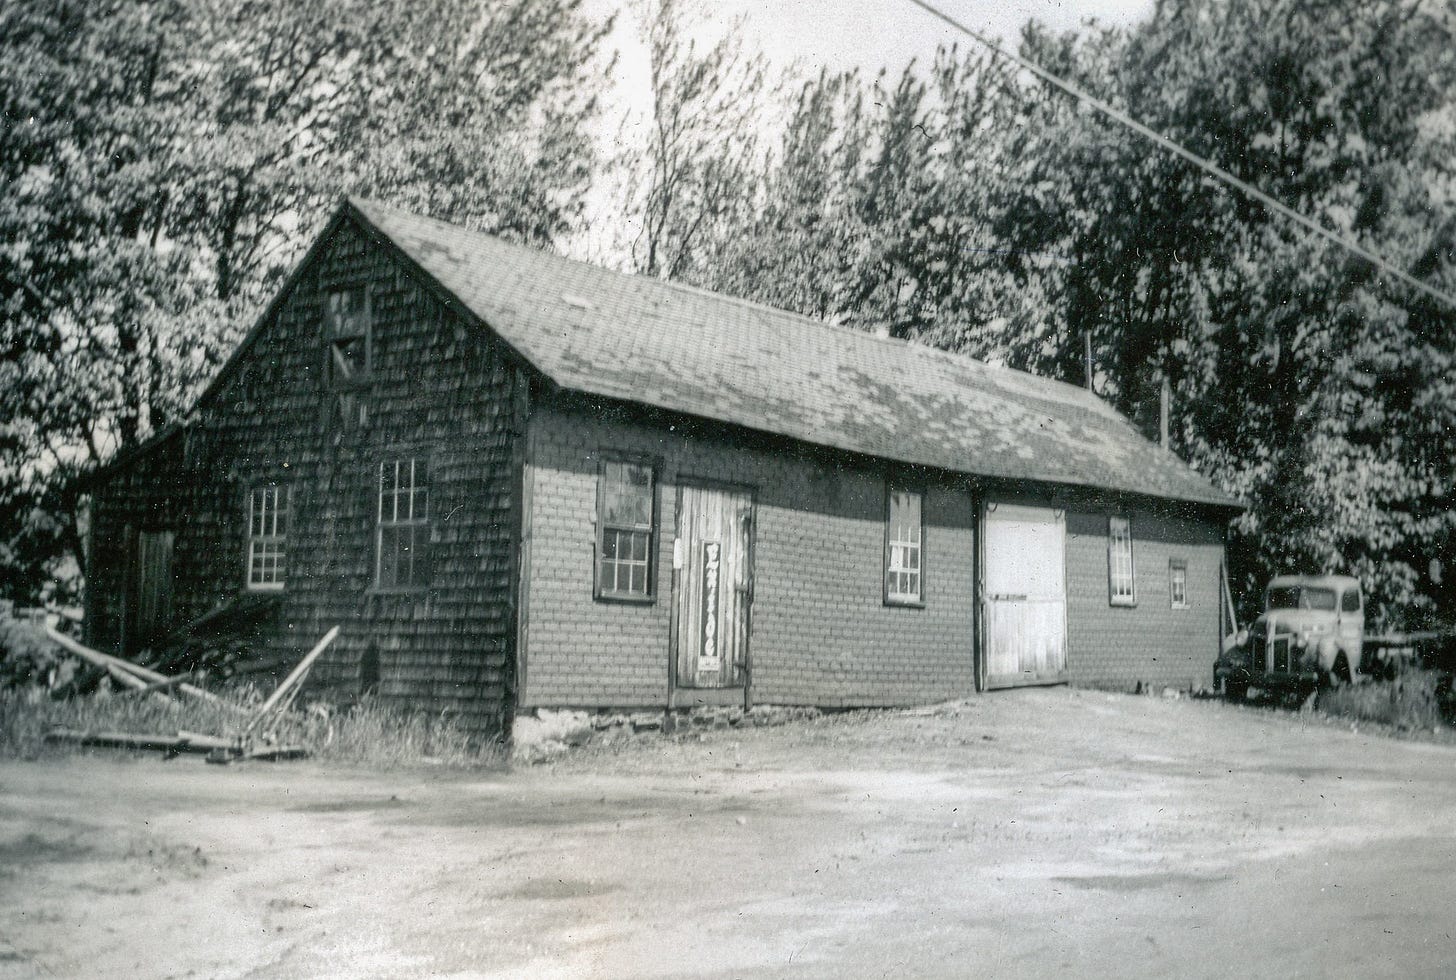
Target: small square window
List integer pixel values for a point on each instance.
(626, 496)
(1121, 580)
(267, 537)
(903, 534)
(1178, 583)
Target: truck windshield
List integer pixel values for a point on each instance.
(1301, 597)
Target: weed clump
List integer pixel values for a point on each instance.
(1416, 700)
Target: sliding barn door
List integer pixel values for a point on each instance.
(1025, 600)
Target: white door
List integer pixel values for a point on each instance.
(1024, 596)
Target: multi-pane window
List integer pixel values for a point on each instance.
(267, 536)
(347, 344)
(903, 548)
(403, 524)
(1178, 583)
(1120, 584)
(624, 502)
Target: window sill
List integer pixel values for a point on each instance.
(1122, 603)
(625, 597)
(904, 603)
(264, 589)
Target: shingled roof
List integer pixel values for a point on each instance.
(687, 350)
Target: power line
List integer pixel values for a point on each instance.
(1158, 139)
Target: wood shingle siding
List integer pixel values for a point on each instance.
(439, 389)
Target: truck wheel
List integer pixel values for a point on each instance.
(1339, 674)
(1235, 690)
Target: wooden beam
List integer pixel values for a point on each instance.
(97, 659)
(146, 676)
(293, 678)
(122, 740)
(163, 685)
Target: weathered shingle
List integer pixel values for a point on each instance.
(675, 347)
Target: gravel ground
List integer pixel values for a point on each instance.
(1015, 834)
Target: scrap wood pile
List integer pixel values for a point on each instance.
(249, 742)
(218, 646)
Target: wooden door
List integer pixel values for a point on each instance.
(712, 586)
(1025, 601)
(148, 600)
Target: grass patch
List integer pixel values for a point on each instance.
(369, 732)
(380, 734)
(1417, 700)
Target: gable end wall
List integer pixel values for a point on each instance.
(440, 388)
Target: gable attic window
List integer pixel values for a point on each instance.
(267, 537)
(348, 349)
(1121, 585)
(625, 498)
(903, 532)
(403, 525)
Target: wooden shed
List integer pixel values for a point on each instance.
(519, 481)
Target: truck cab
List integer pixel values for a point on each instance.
(1309, 634)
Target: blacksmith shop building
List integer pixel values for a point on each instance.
(518, 481)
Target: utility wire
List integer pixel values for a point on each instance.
(1203, 163)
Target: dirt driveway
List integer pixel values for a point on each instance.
(1025, 833)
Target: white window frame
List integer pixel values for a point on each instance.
(268, 515)
(1121, 564)
(1177, 583)
(904, 571)
(609, 571)
(403, 495)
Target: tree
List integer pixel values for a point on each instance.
(695, 178)
(165, 160)
(1305, 382)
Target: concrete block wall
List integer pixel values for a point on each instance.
(1151, 643)
(821, 632)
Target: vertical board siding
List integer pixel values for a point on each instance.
(440, 389)
(712, 515)
(1025, 600)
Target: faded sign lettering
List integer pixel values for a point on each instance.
(709, 661)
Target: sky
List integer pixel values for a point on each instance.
(812, 34)
(870, 34)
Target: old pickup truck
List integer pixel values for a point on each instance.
(1310, 634)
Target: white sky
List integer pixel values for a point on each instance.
(873, 33)
(814, 34)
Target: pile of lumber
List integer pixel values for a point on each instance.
(143, 681)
